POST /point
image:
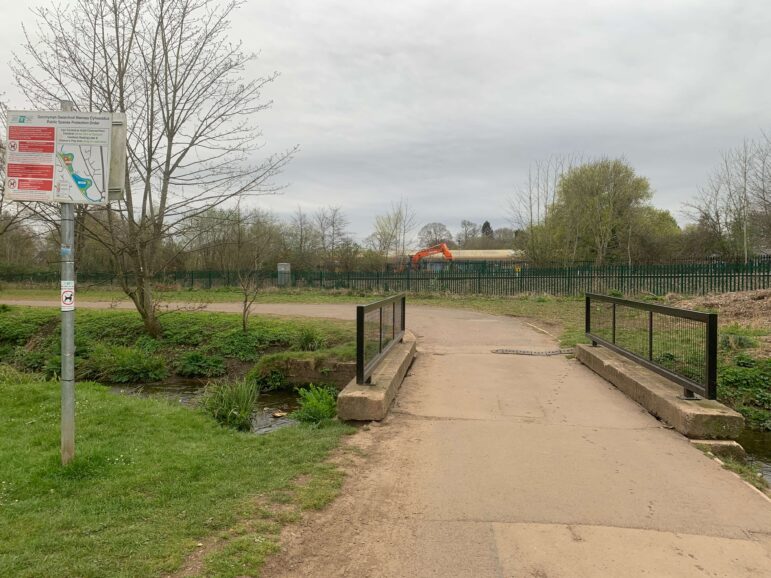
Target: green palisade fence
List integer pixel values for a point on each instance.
(657, 279)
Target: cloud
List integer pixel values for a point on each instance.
(447, 103)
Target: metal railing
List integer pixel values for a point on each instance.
(679, 344)
(379, 326)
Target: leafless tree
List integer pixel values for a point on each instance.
(529, 207)
(433, 234)
(392, 233)
(331, 225)
(254, 243)
(171, 67)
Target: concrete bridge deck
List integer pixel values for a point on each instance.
(504, 465)
(517, 466)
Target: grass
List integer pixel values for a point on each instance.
(150, 481)
(316, 404)
(231, 403)
(111, 346)
(748, 472)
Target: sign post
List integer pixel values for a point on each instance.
(69, 157)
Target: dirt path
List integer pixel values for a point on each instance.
(504, 465)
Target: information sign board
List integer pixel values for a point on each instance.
(58, 156)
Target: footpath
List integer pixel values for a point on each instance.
(523, 466)
(520, 466)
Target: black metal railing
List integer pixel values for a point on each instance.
(679, 344)
(379, 326)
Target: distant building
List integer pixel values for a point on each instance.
(474, 260)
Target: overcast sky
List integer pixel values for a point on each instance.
(447, 103)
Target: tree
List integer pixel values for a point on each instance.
(734, 206)
(433, 234)
(170, 66)
(529, 208)
(331, 225)
(468, 232)
(254, 235)
(487, 230)
(594, 207)
(393, 232)
(302, 240)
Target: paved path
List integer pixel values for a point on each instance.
(517, 466)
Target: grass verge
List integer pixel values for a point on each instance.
(151, 481)
(111, 346)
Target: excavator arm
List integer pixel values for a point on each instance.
(440, 248)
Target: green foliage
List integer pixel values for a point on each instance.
(29, 339)
(316, 404)
(18, 325)
(733, 342)
(231, 403)
(615, 293)
(119, 364)
(272, 380)
(197, 364)
(746, 386)
(309, 338)
(149, 481)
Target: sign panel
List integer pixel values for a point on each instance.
(68, 296)
(57, 156)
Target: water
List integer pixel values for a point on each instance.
(272, 407)
(757, 444)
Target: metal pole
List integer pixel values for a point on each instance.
(67, 253)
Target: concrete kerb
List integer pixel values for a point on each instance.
(371, 402)
(702, 419)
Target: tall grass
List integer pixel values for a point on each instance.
(231, 403)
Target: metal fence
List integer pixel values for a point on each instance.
(379, 326)
(658, 279)
(679, 344)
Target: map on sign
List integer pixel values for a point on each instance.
(58, 156)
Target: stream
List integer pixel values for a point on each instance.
(757, 444)
(272, 407)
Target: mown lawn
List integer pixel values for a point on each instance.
(151, 483)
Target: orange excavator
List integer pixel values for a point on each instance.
(440, 248)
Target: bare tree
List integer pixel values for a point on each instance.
(433, 234)
(170, 66)
(530, 205)
(468, 232)
(393, 232)
(331, 225)
(254, 242)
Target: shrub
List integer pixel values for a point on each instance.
(196, 364)
(121, 365)
(316, 404)
(310, 339)
(267, 380)
(732, 342)
(231, 404)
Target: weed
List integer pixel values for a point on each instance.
(119, 364)
(309, 339)
(316, 404)
(231, 403)
(196, 364)
(749, 472)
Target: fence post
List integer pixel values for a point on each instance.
(613, 325)
(712, 356)
(360, 344)
(650, 335)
